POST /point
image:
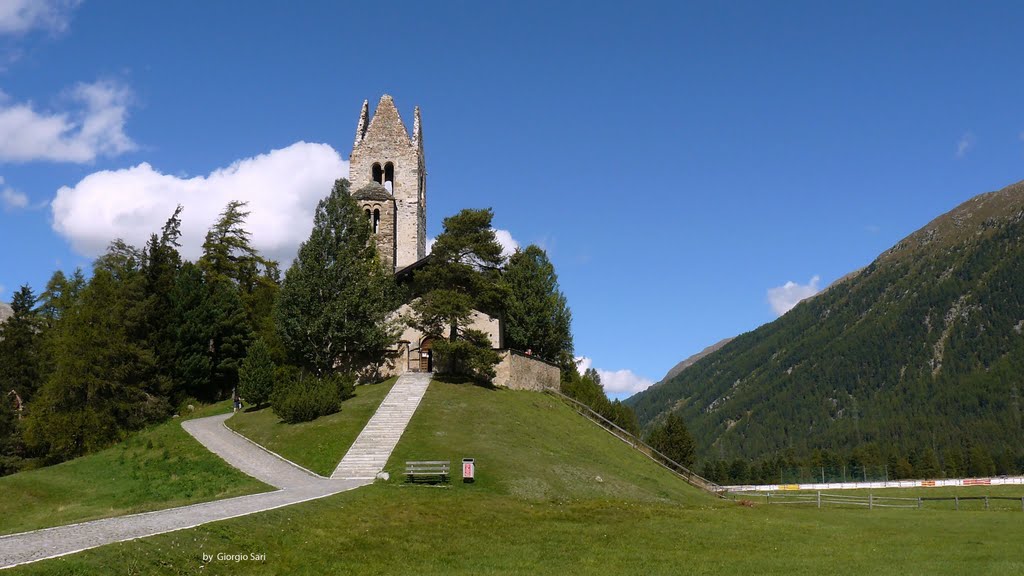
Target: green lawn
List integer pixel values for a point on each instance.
(539, 508)
(318, 445)
(160, 467)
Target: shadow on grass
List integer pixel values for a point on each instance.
(466, 380)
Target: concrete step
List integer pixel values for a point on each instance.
(372, 448)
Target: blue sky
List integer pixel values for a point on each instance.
(691, 168)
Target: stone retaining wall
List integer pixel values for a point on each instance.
(517, 371)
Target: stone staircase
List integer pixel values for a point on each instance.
(372, 448)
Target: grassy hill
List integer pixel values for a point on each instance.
(921, 351)
(160, 467)
(539, 508)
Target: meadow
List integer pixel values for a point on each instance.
(555, 494)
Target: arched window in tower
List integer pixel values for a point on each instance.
(378, 174)
(389, 177)
(376, 220)
(369, 218)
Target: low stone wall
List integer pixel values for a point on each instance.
(517, 371)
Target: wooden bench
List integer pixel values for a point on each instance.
(428, 471)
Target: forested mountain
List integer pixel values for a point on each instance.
(919, 356)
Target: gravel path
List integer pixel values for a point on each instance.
(295, 485)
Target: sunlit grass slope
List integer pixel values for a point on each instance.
(160, 467)
(538, 508)
(318, 445)
(530, 446)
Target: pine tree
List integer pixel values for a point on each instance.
(336, 297)
(537, 316)
(673, 440)
(20, 354)
(160, 267)
(463, 275)
(256, 376)
(193, 333)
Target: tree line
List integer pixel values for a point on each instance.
(91, 359)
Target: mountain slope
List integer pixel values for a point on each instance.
(922, 349)
(693, 359)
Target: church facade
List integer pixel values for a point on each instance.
(388, 173)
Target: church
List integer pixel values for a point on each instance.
(388, 173)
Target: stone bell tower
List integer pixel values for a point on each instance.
(388, 173)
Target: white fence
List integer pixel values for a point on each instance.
(995, 481)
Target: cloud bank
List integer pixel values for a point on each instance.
(616, 382)
(20, 16)
(95, 127)
(281, 187)
(784, 298)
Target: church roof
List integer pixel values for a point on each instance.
(372, 191)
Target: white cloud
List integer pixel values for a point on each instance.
(18, 16)
(784, 298)
(508, 243)
(11, 198)
(95, 128)
(623, 382)
(282, 188)
(615, 382)
(965, 144)
(583, 364)
(504, 237)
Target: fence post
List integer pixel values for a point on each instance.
(956, 502)
(871, 501)
(919, 503)
(819, 499)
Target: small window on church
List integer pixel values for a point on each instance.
(378, 174)
(389, 177)
(376, 221)
(368, 217)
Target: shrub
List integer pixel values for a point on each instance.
(302, 397)
(470, 356)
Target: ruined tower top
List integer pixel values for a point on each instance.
(386, 155)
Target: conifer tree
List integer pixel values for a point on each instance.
(336, 296)
(463, 275)
(104, 378)
(256, 375)
(20, 347)
(537, 316)
(673, 440)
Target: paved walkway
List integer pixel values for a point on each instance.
(371, 450)
(294, 485)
